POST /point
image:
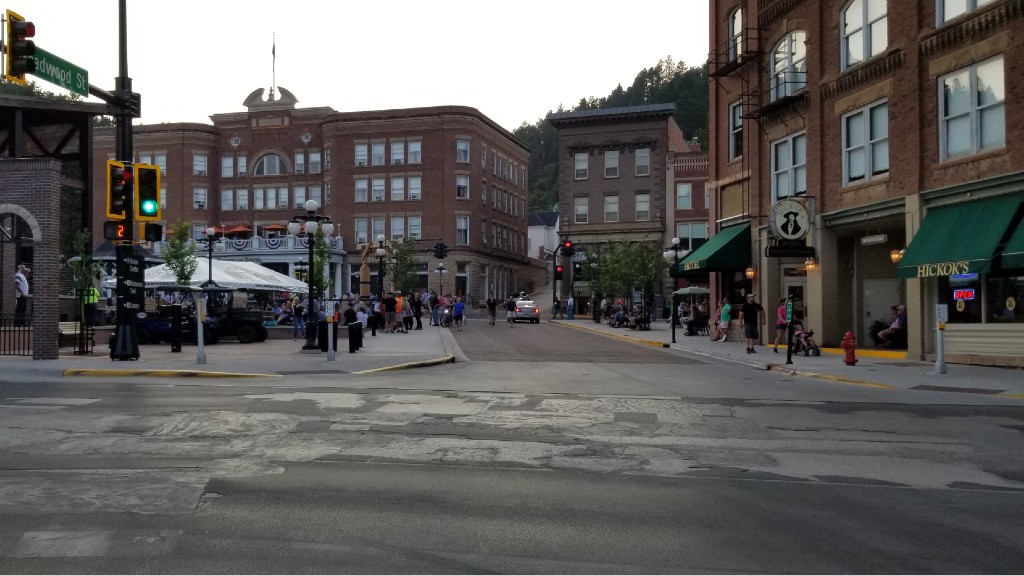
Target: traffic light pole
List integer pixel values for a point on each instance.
(126, 344)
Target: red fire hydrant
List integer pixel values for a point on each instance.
(849, 345)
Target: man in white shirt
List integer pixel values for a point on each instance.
(20, 294)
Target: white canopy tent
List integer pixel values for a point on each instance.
(227, 274)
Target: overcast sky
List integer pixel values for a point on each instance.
(512, 61)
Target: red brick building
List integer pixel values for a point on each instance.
(881, 130)
(434, 174)
(628, 174)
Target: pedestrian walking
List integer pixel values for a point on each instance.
(570, 307)
(20, 294)
(752, 317)
(510, 311)
(417, 311)
(780, 323)
(492, 309)
(556, 309)
(457, 312)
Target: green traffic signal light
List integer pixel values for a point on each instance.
(147, 192)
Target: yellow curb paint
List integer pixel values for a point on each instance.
(163, 373)
(1014, 396)
(654, 343)
(437, 362)
(832, 378)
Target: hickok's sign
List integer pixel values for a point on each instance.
(943, 269)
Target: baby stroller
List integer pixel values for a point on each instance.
(446, 316)
(803, 341)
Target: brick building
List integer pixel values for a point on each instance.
(863, 155)
(445, 173)
(628, 174)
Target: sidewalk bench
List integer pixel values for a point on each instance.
(67, 334)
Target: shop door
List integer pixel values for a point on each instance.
(880, 295)
(794, 288)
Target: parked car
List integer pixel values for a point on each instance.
(527, 310)
(226, 316)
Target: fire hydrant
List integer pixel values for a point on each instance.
(849, 345)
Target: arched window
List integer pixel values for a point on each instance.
(789, 65)
(735, 34)
(865, 30)
(270, 165)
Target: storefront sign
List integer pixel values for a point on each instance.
(789, 220)
(943, 269)
(963, 294)
(874, 239)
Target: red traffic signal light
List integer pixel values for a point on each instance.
(559, 271)
(20, 51)
(567, 248)
(119, 188)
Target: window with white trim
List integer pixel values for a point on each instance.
(242, 199)
(377, 189)
(199, 198)
(461, 229)
(643, 161)
(415, 187)
(300, 196)
(362, 190)
(611, 208)
(316, 192)
(972, 109)
(582, 160)
(684, 196)
(789, 65)
(362, 154)
(377, 154)
(327, 193)
(259, 197)
(327, 158)
(242, 165)
(314, 161)
(611, 163)
(461, 186)
(199, 164)
(227, 165)
(397, 188)
(950, 9)
(735, 34)
(415, 152)
(462, 150)
(282, 197)
(581, 209)
(865, 31)
(300, 162)
(398, 153)
(362, 230)
(789, 166)
(163, 197)
(735, 130)
(227, 199)
(642, 202)
(271, 198)
(397, 227)
(866, 143)
(415, 227)
(270, 165)
(377, 229)
(691, 234)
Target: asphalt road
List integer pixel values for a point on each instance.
(549, 451)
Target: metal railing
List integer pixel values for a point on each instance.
(15, 335)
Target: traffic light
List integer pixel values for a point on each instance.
(153, 232)
(147, 192)
(437, 250)
(119, 188)
(20, 51)
(442, 250)
(559, 270)
(577, 270)
(567, 249)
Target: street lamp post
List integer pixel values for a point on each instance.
(440, 270)
(382, 271)
(210, 240)
(311, 222)
(671, 254)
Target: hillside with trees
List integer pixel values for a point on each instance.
(666, 82)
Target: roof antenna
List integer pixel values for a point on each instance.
(273, 68)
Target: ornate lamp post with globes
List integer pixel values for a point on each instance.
(382, 271)
(310, 222)
(210, 240)
(671, 254)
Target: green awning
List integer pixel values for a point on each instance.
(960, 238)
(1013, 254)
(727, 250)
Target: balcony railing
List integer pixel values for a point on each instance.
(697, 162)
(734, 52)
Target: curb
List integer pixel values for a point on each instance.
(450, 359)
(163, 373)
(652, 343)
(829, 377)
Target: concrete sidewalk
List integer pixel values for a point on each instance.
(874, 368)
(272, 358)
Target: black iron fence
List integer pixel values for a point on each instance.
(15, 335)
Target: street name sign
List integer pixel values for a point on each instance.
(61, 72)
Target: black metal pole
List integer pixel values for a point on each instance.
(311, 316)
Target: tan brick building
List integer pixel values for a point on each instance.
(883, 127)
(434, 174)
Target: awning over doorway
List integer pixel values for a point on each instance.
(1013, 254)
(960, 238)
(727, 250)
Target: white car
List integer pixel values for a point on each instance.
(527, 310)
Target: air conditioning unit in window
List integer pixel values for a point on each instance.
(241, 172)
(397, 161)
(199, 173)
(243, 206)
(360, 162)
(200, 206)
(298, 170)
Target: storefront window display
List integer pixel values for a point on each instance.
(976, 298)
